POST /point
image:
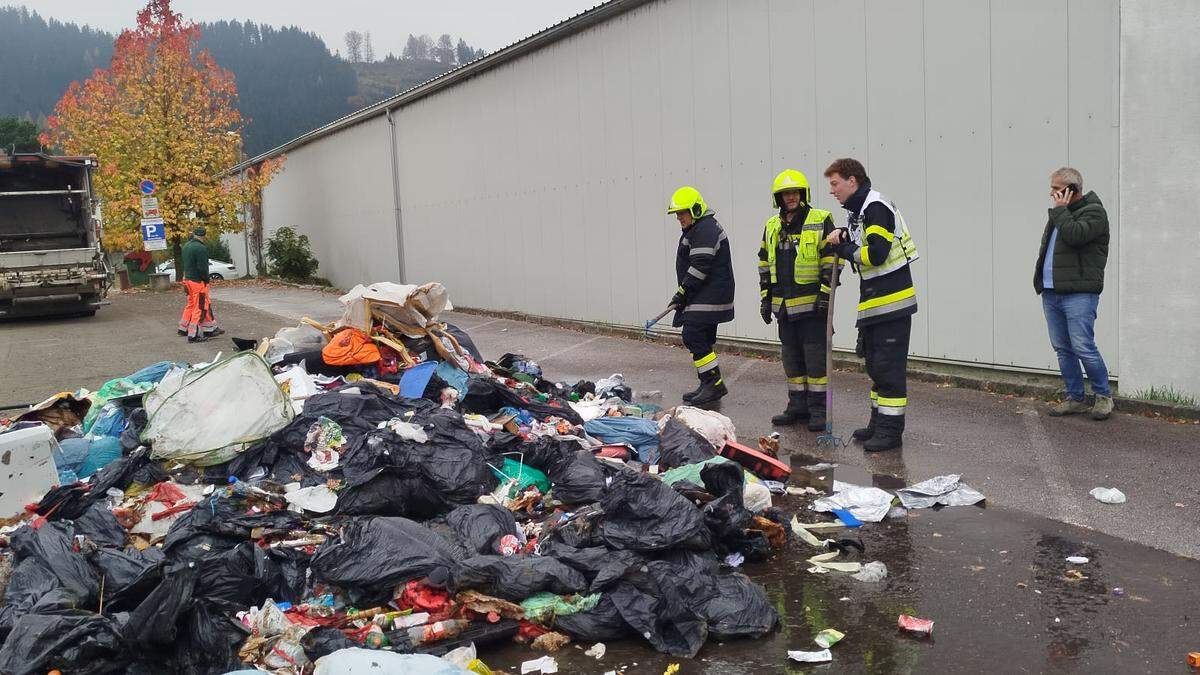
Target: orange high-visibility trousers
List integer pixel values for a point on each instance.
(197, 318)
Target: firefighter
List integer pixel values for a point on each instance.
(794, 270)
(704, 298)
(878, 245)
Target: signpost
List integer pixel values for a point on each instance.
(154, 231)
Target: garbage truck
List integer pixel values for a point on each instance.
(51, 259)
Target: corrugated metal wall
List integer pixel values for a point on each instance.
(539, 186)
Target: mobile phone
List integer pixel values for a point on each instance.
(1073, 188)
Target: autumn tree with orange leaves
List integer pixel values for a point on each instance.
(163, 110)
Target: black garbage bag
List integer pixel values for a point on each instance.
(453, 460)
(376, 554)
(135, 467)
(738, 608)
(390, 491)
(100, 525)
(65, 502)
(598, 564)
(602, 622)
(660, 611)
(293, 574)
(487, 396)
(324, 640)
(155, 622)
(211, 639)
(74, 643)
(678, 445)
(580, 478)
(481, 526)
(222, 515)
(544, 453)
(51, 546)
(641, 513)
(128, 574)
(517, 577)
(28, 586)
(131, 437)
(244, 575)
(725, 479)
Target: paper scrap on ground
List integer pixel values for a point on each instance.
(825, 561)
(1077, 560)
(546, 664)
(872, 572)
(868, 504)
(1108, 495)
(828, 637)
(596, 651)
(947, 490)
(811, 657)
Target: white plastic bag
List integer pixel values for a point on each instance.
(218, 412)
(716, 428)
(359, 661)
(1108, 495)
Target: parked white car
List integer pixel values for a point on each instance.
(217, 270)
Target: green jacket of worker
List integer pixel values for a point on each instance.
(195, 260)
(1081, 248)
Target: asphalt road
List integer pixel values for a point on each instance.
(994, 578)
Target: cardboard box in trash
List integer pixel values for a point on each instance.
(27, 468)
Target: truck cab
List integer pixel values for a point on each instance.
(51, 259)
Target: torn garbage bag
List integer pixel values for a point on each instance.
(602, 622)
(214, 415)
(641, 513)
(868, 504)
(946, 490)
(74, 643)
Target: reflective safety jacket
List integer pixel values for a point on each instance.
(704, 269)
(794, 265)
(880, 250)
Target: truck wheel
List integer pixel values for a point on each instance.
(216, 277)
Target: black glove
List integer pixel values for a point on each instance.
(765, 310)
(822, 304)
(860, 347)
(678, 301)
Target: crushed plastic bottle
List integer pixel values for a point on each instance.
(1108, 495)
(915, 625)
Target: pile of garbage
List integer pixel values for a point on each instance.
(374, 484)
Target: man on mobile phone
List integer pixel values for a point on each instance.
(1070, 277)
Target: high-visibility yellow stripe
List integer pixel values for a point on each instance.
(762, 293)
(705, 360)
(862, 255)
(879, 230)
(887, 299)
(802, 300)
(893, 402)
(763, 263)
(818, 380)
(797, 380)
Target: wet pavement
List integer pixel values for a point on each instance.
(994, 579)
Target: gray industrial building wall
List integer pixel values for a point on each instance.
(540, 185)
(338, 191)
(1160, 179)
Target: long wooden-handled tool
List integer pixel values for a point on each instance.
(650, 322)
(828, 438)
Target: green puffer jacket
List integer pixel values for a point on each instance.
(1081, 249)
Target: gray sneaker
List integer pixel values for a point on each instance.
(1069, 406)
(1102, 408)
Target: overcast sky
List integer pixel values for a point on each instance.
(489, 24)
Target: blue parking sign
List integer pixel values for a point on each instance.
(154, 234)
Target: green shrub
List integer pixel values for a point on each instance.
(290, 256)
(218, 249)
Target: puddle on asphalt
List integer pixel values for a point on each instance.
(995, 582)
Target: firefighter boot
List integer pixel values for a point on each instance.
(816, 411)
(712, 388)
(797, 410)
(889, 430)
(689, 396)
(865, 433)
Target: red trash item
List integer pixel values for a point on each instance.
(614, 451)
(912, 623)
(420, 597)
(756, 462)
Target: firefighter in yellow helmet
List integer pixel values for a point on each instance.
(794, 271)
(704, 298)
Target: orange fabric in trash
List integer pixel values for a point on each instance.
(350, 347)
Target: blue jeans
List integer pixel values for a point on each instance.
(1071, 318)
